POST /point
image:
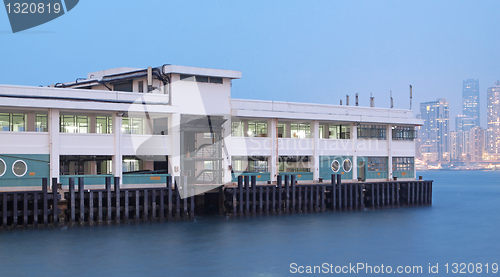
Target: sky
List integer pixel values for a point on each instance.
(298, 51)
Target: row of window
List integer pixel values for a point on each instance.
(201, 79)
(260, 164)
(19, 168)
(81, 124)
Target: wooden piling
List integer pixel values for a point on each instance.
(279, 194)
(71, 187)
(254, 193)
(81, 196)
(293, 185)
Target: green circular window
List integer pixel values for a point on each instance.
(3, 167)
(19, 168)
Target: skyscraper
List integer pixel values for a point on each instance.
(434, 134)
(493, 113)
(470, 100)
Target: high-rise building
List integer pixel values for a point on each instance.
(493, 114)
(434, 133)
(470, 100)
(467, 146)
(464, 123)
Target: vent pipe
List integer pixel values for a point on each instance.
(392, 101)
(340, 102)
(372, 101)
(357, 99)
(150, 79)
(347, 99)
(411, 95)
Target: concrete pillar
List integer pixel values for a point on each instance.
(174, 160)
(118, 156)
(226, 150)
(315, 136)
(93, 123)
(53, 122)
(354, 138)
(30, 122)
(389, 152)
(92, 167)
(273, 161)
(288, 130)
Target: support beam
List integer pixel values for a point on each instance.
(118, 156)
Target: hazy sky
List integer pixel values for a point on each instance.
(302, 51)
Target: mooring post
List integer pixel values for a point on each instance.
(254, 193)
(54, 201)
(287, 193)
(334, 200)
(117, 198)
(247, 194)
(279, 193)
(339, 184)
(240, 192)
(71, 186)
(292, 183)
(81, 194)
(108, 199)
(45, 183)
(169, 197)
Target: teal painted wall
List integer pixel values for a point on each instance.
(300, 176)
(261, 176)
(37, 168)
(403, 174)
(128, 179)
(325, 167)
(371, 174)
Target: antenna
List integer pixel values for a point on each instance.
(372, 100)
(340, 102)
(392, 101)
(357, 99)
(411, 96)
(347, 99)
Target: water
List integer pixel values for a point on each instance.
(462, 226)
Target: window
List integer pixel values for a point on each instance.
(125, 86)
(187, 77)
(300, 130)
(294, 164)
(104, 125)
(3, 167)
(403, 164)
(404, 133)
(74, 124)
(13, 122)
(377, 164)
(347, 165)
(281, 130)
(19, 168)
(335, 166)
(160, 126)
(215, 80)
(202, 79)
(133, 126)
(336, 131)
(237, 129)
(249, 163)
(257, 129)
(41, 123)
(372, 131)
(140, 86)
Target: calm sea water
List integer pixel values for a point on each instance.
(462, 226)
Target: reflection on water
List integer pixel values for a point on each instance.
(463, 225)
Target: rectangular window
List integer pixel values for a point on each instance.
(74, 124)
(294, 164)
(237, 129)
(335, 131)
(202, 79)
(300, 130)
(82, 123)
(133, 126)
(4, 122)
(403, 164)
(103, 125)
(160, 126)
(372, 131)
(404, 133)
(125, 86)
(41, 123)
(140, 86)
(249, 163)
(215, 80)
(18, 122)
(257, 129)
(187, 77)
(377, 164)
(281, 130)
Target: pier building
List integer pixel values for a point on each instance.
(142, 125)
